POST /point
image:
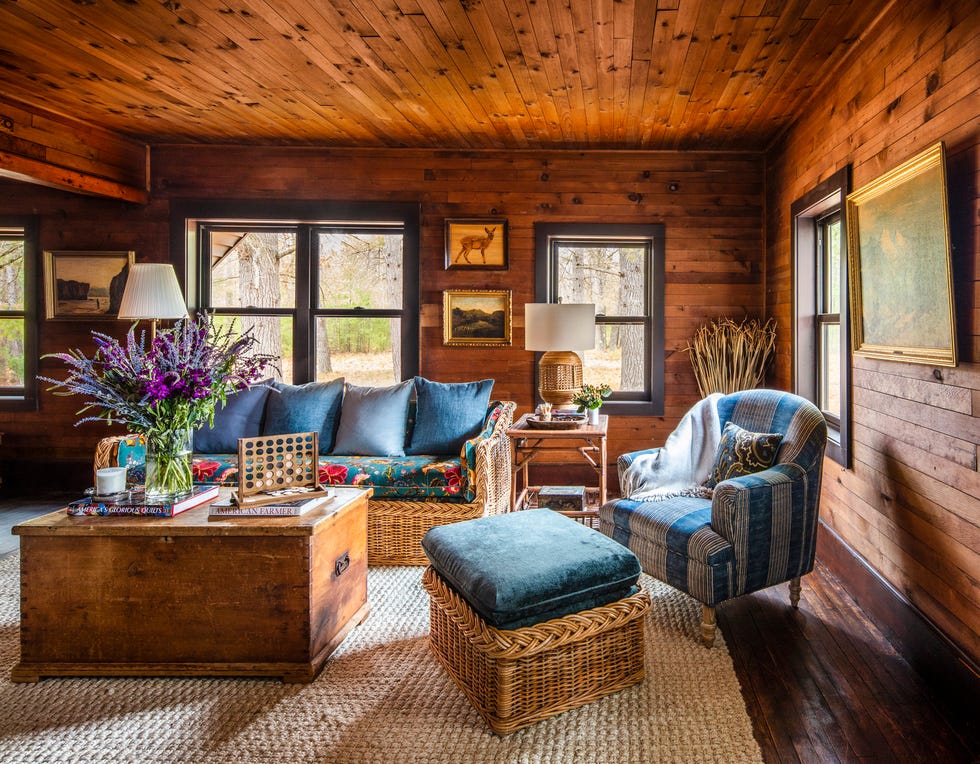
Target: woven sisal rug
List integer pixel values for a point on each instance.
(381, 699)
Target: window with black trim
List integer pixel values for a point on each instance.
(620, 269)
(821, 350)
(331, 298)
(18, 313)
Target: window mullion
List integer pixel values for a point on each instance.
(304, 335)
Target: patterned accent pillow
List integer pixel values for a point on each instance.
(741, 452)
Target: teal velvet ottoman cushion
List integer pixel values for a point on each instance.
(522, 568)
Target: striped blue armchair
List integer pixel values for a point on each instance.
(755, 531)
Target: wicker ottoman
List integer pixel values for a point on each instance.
(560, 650)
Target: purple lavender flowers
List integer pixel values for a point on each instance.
(174, 384)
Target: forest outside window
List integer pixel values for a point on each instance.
(329, 299)
(620, 269)
(18, 318)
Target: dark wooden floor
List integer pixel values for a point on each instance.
(821, 684)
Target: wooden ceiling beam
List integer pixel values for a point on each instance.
(40, 147)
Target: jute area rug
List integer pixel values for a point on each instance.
(381, 699)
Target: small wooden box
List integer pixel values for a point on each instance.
(562, 498)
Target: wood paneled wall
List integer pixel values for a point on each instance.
(911, 503)
(714, 245)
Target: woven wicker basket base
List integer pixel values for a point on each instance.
(515, 678)
(396, 528)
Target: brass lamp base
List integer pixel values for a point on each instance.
(559, 377)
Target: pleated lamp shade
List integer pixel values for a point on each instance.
(152, 292)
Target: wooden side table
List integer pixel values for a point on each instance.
(529, 443)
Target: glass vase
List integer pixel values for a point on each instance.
(168, 465)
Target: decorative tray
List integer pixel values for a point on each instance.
(557, 422)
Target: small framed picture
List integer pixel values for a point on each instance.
(476, 317)
(477, 244)
(85, 285)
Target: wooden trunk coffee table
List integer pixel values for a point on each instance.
(185, 596)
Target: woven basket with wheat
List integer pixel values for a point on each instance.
(729, 356)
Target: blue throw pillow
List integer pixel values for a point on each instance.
(373, 421)
(313, 407)
(448, 414)
(241, 417)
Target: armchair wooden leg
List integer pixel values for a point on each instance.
(707, 625)
(794, 592)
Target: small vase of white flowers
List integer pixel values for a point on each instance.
(589, 399)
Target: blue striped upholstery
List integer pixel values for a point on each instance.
(675, 543)
(756, 531)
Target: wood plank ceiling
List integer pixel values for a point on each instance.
(468, 74)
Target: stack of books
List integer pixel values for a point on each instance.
(134, 503)
(227, 507)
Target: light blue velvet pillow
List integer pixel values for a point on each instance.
(448, 414)
(241, 417)
(373, 421)
(313, 407)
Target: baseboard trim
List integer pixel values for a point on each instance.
(942, 664)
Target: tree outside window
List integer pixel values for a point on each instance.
(331, 300)
(18, 353)
(619, 269)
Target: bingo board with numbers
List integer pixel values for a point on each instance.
(273, 468)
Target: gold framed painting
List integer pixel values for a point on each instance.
(476, 244)
(900, 267)
(476, 317)
(85, 285)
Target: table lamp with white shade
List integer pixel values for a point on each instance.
(559, 329)
(152, 292)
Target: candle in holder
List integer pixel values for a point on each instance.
(110, 480)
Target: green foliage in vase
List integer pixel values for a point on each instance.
(591, 396)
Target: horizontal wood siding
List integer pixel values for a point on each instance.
(910, 505)
(714, 248)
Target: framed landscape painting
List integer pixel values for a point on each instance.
(476, 317)
(900, 265)
(85, 285)
(476, 244)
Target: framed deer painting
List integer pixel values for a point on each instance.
(476, 244)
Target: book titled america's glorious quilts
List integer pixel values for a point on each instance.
(133, 503)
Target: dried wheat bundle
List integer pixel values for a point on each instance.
(729, 356)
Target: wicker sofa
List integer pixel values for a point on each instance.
(411, 493)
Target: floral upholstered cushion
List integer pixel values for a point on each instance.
(443, 477)
(406, 477)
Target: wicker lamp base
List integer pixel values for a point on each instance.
(559, 377)
(515, 678)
